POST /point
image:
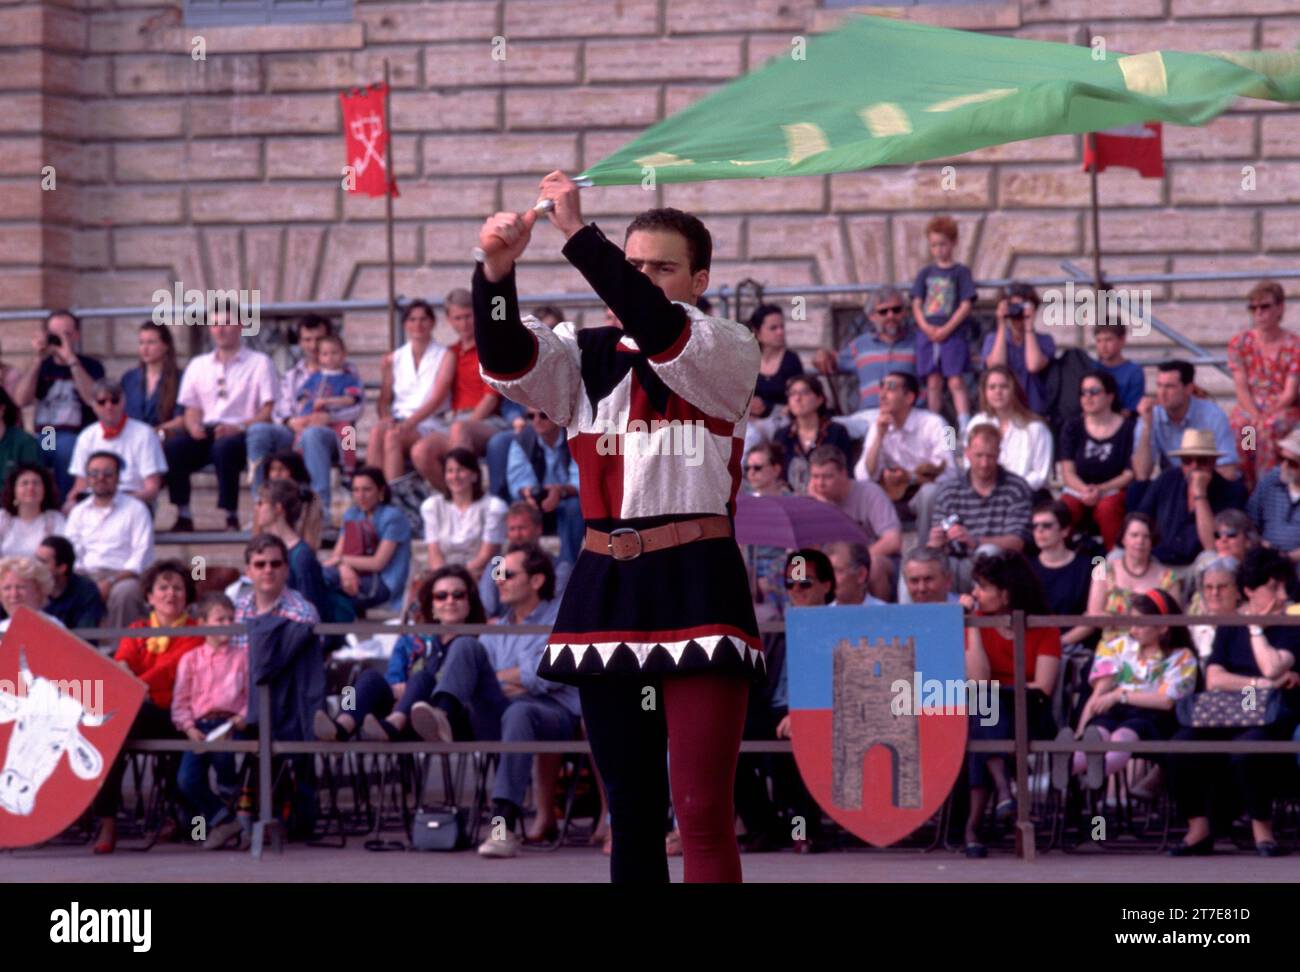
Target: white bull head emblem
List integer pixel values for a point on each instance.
(46, 724)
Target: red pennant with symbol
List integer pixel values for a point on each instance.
(366, 133)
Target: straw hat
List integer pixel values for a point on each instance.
(1196, 442)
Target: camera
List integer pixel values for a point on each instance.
(53, 341)
(955, 547)
(1015, 309)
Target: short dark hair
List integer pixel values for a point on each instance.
(264, 541)
(118, 462)
(1057, 508)
(819, 562)
(291, 461)
(211, 600)
(1109, 385)
(9, 499)
(63, 312)
(859, 553)
(1009, 571)
(775, 454)
(314, 322)
(423, 305)
(699, 244)
(65, 555)
(1136, 517)
(548, 310)
(286, 495)
(1119, 330)
(376, 476)
(537, 561)
(1261, 565)
(909, 382)
(520, 508)
(828, 455)
(169, 566)
(1186, 370)
(424, 596)
(761, 313)
(467, 460)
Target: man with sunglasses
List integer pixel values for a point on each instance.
(1184, 499)
(1274, 506)
(889, 344)
(135, 442)
(541, 472)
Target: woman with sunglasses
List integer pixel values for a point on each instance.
(1265, 365)
(30, 510)
(1134, 571)
(384, 702)
(278, 507)
(1064, 573)
(763, 468)
(1026, 448)
(1095, 456)
(810, 426)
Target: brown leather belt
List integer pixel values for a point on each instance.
(625, 543)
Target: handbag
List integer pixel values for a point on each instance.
(440, 829)
(360, 539)
(1227, 709)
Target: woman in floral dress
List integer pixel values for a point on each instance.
(1265, 364)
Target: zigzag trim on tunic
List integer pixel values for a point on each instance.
(711, 645)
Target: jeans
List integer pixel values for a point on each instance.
(571, 528)
(193, 779)
(187, 455)
(319, 447)
(371, 592)
(58, 458)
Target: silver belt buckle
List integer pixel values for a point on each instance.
(614, 533)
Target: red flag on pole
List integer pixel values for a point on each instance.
(365, 131)
(1132, 147)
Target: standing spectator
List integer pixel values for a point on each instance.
(312, 431)
(1066, 575)
(224, 393)
(133, 441)
(372, 558)
(1272, 505)
(777, 366)
(1096, 447)
(942, 297)
(1009, 343)
(1134, 571)
(1216, 593)
(406, 380)
(541, 471)
(1164, 420)
(74, 598)
(151, 387)
(907, 450)
(59, 380)
(30, 510)
(867, 505)
(887, 346)
(1026, 448)
(466, 526)
(986, 504)
(1184, 499)
(112, 534)
(852, 563)
(17, 445)
(1110, 339)
(278, 508)
(523, 528)
(289, 467)
(1265, 364)
(810, 426)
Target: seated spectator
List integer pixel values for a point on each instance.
(540, 471)
(74, 598)
(1135, 571)
(465, 526)
(852, 563)
(372, 557)
(1184, 499)
(1026, 440)
(867, 505)
(777, 365)
(907, 450)
(1164, 420)
(30, 510)
(1007, 344)
(290, 467)
(764, 471)
(278, 508)
(151, 387)
(1130, 383)
(224, 393)
(406, 379)
(169, 591)
(1216, 593)
(927, 577)
(764, 468)
(1004, 582)
(18, 447)
(1234, 534)
(1137, 679)
(1265, 365)
(134, 442)
(491, 690)
(112, 534)
(985, 504)
(296, 421)
(24, 582)
(1243, 658)
(211, 690)
(60, 381)
(1065, 574)
(383, 702)
(1095, 452)
(887, 345)
(266, 559)
(810, 426)
(1272, 504)
(523, 528)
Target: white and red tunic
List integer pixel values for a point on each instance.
(655, 415)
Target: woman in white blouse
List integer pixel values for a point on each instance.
(1026, 441)
(465, 527)
(30, 511)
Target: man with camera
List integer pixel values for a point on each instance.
(1015, 344)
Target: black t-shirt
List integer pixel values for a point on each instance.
(1066, 587)
(771, 388)
(56, 394)
(1232, 651)
(1097, 460)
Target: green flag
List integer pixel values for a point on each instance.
(886, 92)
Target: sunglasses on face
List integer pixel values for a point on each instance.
(1256, 308)
(108, 400)
(100, 473)
(755, 467)
(510, 574)
(1225, 534)
(454, 595)
(266, 564)
(1090, 392)
(896, 309)
(803, 585)
(536, 415)
(1045, 525)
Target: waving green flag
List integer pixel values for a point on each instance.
(886, 92)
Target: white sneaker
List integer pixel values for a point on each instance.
(430, 723)
(507, 847)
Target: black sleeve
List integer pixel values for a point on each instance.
(1071, 440)
(505, 346)
(652, 320)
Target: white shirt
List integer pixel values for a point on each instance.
(411, 386)
(116, 537)
(1026, 451)
(923, 438)
(19, 539)
(459, 534)
(228, 392)
(137, 445)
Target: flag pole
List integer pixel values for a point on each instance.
(388, 211)
(1096, 214)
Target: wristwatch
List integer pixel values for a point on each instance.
(1256, 631)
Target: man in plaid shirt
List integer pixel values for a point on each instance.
(267, 561)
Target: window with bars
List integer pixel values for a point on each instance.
(229, 13)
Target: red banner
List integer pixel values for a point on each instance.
(1134, 147)
(365, 131)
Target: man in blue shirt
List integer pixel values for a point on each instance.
(541, 472)
(1163, 420)
(1274, 506)
(523, 529)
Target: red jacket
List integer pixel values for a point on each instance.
(158, 671)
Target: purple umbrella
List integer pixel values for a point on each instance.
(792, 522)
